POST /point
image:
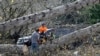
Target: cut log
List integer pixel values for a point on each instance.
(79, 4)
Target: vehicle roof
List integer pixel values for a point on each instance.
(25, 37)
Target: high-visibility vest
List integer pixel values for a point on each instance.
(42, 29)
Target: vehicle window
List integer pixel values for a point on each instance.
(25, 40)
(21, 40)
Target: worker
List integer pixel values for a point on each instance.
(34, 40)
(42, 30)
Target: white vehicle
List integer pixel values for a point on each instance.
(22, 40)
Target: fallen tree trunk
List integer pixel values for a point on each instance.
(52, 12)
(82, 34)
(10, 48)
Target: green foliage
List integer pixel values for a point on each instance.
(92, 14)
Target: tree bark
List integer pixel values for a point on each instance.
(52, 12)
(10, 48)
